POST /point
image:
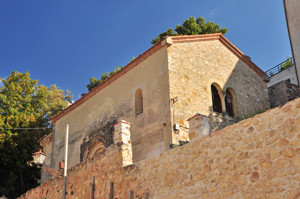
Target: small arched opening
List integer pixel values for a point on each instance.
(94, 150)
(138, 102)
(216, 99)
(230, 102)
(94, 145)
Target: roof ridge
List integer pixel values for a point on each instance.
(223, 40)
(150, 51)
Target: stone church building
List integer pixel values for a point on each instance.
(157, 93)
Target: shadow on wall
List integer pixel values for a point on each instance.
(243, 95)
(231, 96)
(283, 92)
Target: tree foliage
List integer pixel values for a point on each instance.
(95, 82)
(23, 105)
(192, 26)
(169, 32)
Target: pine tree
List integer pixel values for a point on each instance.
(192, 26)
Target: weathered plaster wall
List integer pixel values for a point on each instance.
(117, 101)
(256, 158)
(194, 66)
(47, 143)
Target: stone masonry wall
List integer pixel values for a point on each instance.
(283, 92)
(255, 158)
(195, 66)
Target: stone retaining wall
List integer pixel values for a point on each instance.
(283, 92)
(256, 158)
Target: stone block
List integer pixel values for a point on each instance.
(122, 136)
(211, 166)
(198, 126)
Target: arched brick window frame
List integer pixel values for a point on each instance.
(95, 149)
(138, 101)
(92, 146)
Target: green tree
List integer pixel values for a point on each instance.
(192, 26)
(169, 32)
(23, 105)
(95, 82)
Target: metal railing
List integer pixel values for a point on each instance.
(280, 67)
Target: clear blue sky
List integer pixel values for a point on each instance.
(65, 42)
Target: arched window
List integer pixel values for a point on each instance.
(94, 150)
(138, 102)
(217, 104)
(230, 102)
(91, 147)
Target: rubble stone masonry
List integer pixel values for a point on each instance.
(283, 92)
(255, 158)
(157, 92)
(195, 66)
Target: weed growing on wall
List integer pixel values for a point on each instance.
(287, 63)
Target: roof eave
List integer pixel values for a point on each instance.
(153, 49)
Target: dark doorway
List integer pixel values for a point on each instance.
(229, 103)
(217, 105)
